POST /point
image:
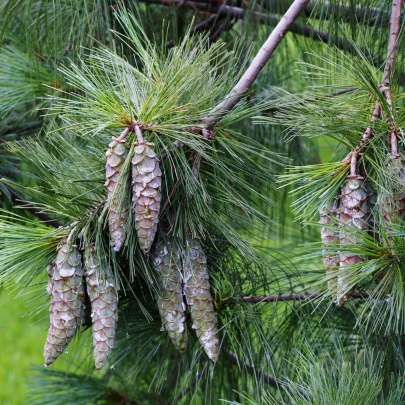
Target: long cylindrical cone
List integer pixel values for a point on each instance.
(146, 196)
(199, 298)
(329, 235)
(393, 204)
(353, 213)
(104, 306)
(65, 285)
(170, 302)
(116, 155)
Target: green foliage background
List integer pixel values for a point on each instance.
(75, 73)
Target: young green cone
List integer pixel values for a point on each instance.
(146, 185)
(199, 298)
(353, 213)
(65, 286)
(170, 302)
(327, 217)
(104, 303)
(116, 155)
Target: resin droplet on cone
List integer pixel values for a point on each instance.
(199, 298)
(353, 213)
(65, 285)
(116, 155)
(104, 306)
(170, 302)
(146, 196)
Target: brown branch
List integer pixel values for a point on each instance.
(257, 64)
(389, 69)
(385, 87)
(269, 379)
(364, 14)
(226, 25)
(240, 13)
(203, 25)
(290, 297)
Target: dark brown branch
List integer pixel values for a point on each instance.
(364, 14)
(388, 71)
(269, 379)
(226, 25)
(240, 13)
(41, 215)
(290, 297)
(203, 25)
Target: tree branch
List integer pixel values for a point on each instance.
(364, 14)
(240, 13)
(385, 87)
(389, 69)
(257, 64)
(290, 297)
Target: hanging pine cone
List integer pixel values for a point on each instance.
(116, 155)
(329, 236)
(104, 302)
(393, 204)
(146, 184)
(170, 302)
(199, 299)
(353, 216)
(65, 285)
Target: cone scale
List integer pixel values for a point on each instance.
(199, 298)
(353, 213)
(104, 306)
(172, 308)
(329, 236)
(146, 195)
(116, 155)
(393, 205)
(65, 286)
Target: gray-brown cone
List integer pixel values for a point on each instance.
(329, 235)
(116, 155)
(393, 204)
(65, 286)
(146, 196)
(353, 214)
(104, 306)
(170, 302)
(199, 298)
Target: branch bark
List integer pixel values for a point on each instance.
(389, 69)
(291, 297)
(257, 64)
(385, 87)
(240, 13)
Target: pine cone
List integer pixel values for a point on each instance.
(393, 205)
(104, 302)
(171, 305)
(353, 216)
(116, 155)
(327, 216)
(199, 299)
(146, 196)
(65, 285)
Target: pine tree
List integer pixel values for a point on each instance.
(215, 198)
